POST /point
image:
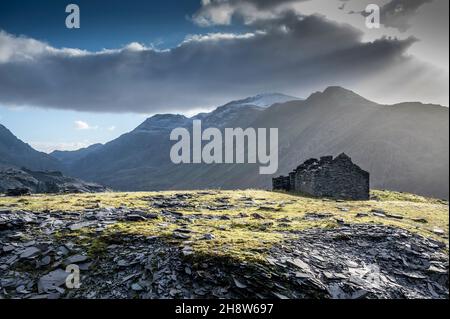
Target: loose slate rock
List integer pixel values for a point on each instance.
(135, 218)
(78, 226)
(438, 231)
(379, 213)
(52, 281)
(208, 237)
(30, 252)
(45, 261)
(239, 284)
(299, 264)
(9, 248)
(420, 220)
(76, 259)
(178, 235)
(136, 287)
(257, 216)
(394, 216)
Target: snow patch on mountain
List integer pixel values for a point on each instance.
(263, 100)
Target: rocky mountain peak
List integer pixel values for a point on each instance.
(338, 94)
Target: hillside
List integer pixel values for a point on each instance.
(224, 244)
(404, 146)
(14, 152)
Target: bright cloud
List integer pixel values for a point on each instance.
(81, 125)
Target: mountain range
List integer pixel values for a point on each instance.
(405, 146)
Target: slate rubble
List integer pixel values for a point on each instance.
(350, 261)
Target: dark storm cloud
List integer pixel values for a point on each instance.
(263, 4)
(397, 13)
(223, 11)
(291, 54)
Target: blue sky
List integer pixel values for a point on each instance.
(188, 56)
(105, 24)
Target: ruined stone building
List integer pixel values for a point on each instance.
(336, 178)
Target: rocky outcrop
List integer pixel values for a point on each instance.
(336, 178)
(16, 182)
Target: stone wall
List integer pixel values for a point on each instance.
(336, 178)
(282, 183)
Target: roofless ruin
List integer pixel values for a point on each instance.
(337, 178)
